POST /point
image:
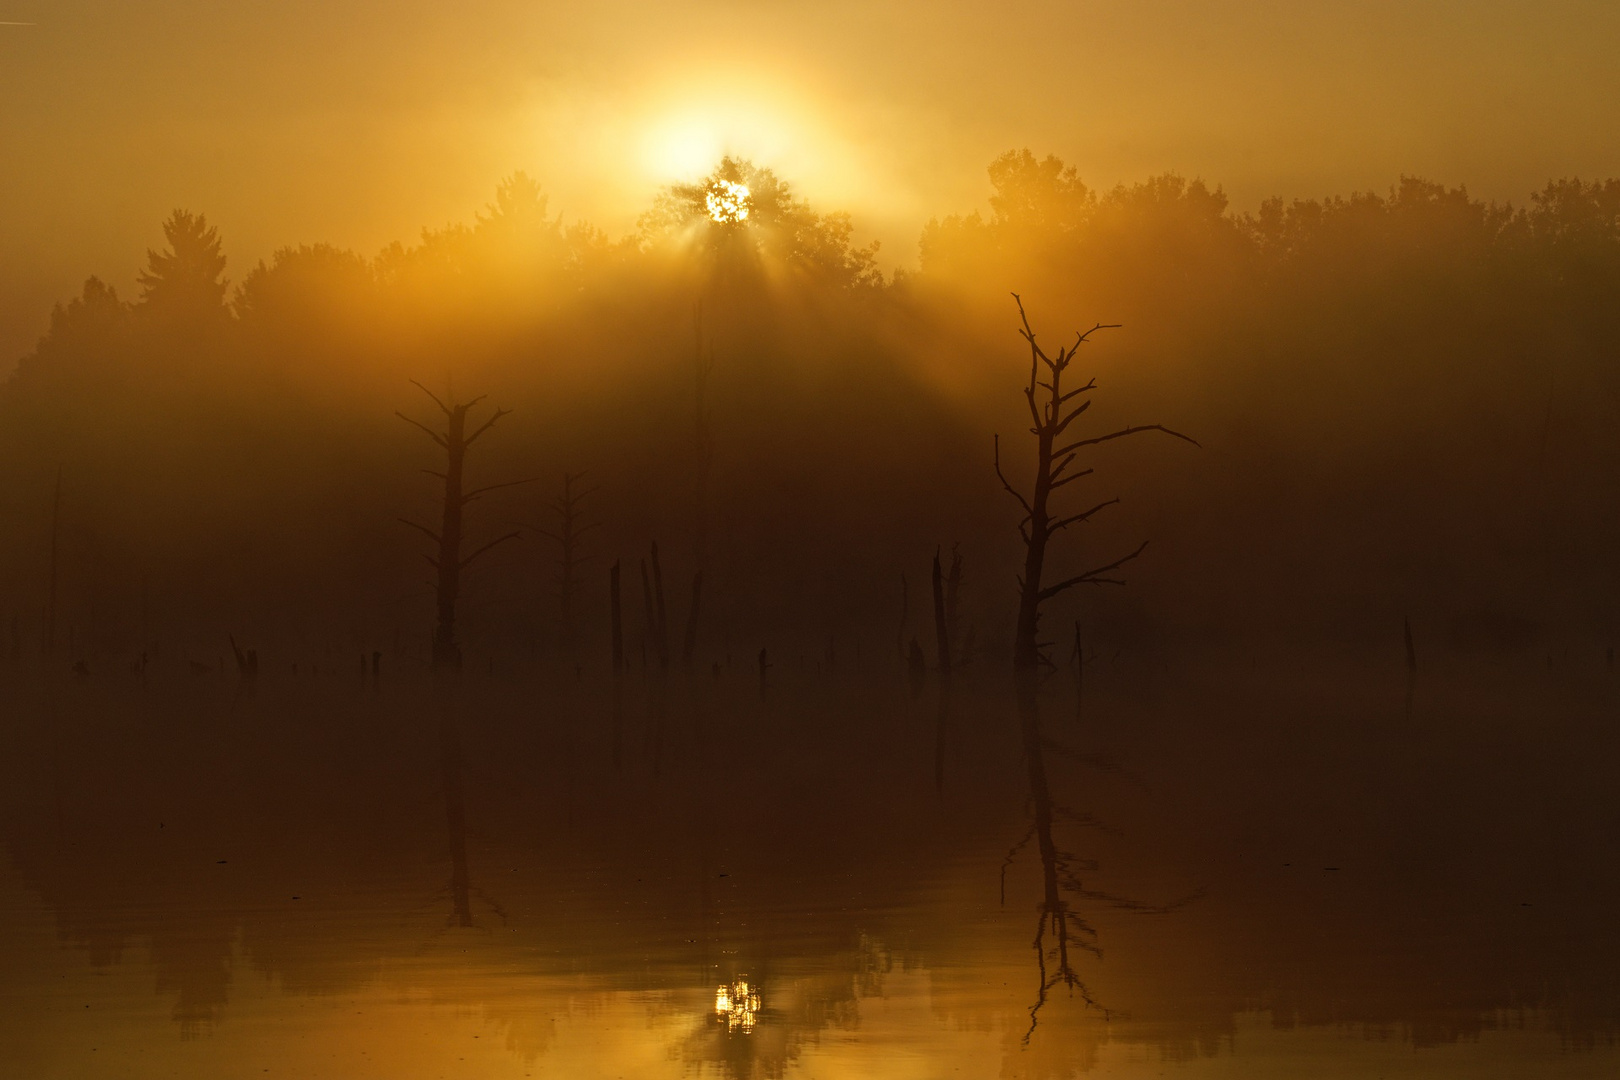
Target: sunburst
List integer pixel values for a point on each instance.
(728, 202)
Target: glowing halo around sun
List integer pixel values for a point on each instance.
(728, 202)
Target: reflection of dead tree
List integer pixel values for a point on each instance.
(455, 812)
(1052, 414)
(570, 531)
(449, 562)
(1060, 930)
(1060, 876)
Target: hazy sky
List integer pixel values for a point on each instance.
(359, 122)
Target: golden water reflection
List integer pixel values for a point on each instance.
(737, 1005)
(208, 892)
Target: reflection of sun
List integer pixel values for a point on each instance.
(728, 203)
(737, 1005)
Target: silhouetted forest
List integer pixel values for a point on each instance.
(1406, 404)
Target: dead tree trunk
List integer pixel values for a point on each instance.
(1051, 414)
(569, 533)
(449, 562)
(942, 632)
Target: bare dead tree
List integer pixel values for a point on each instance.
(449, 562)
(1051, 413)
(570, 532)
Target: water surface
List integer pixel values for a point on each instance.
(1206, 872)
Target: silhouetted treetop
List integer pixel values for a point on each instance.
(186, 281)
(310, 284)
(774, 224)
(1039, 193)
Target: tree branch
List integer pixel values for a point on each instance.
(1074, 518)
(1122, 432)
(1004, 483)
(1069, 479)
(492, 543)
(434, 435)
(475, 492)
(432, 395)
(486, 426)
(1072, 417)
(1091, 577)
(1092, 385)
(422, 528)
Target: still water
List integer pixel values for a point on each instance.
(1215, 871)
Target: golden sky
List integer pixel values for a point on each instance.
(359, 122)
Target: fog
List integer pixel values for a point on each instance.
(1401, 403)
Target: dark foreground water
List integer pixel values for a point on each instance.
(1215, 872)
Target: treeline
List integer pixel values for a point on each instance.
(1407, 404)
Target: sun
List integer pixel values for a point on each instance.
(728, 202)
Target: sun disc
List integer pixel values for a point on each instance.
(728, 202)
